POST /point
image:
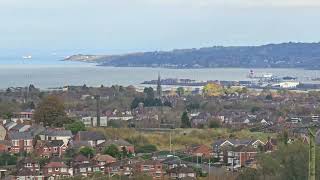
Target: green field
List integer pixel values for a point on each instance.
(180, 137)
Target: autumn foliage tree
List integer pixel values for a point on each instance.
(51, 112)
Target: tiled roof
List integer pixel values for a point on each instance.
(104, 157)
(25, 172)
(80, 158)
(55, 165)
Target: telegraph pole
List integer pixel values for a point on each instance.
(312, 153)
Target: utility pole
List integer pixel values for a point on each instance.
(209, 168)
(312, 153)
(170, 142)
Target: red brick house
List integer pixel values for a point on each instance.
(57, 169)
(199, 150)
(25, 173)
(21, 142)
(181, 172)
(29, 163)
(5, 146)
(104, 159)
(120, 168)
(241, 156)
(84, 166)
(152, 168)
(50, 148)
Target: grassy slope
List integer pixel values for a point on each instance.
(182, 137)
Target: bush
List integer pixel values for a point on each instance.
(214, 124)
(148, 148)
(87, 151)
(76, 127)
(7, 159)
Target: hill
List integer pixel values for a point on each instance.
(285, 55)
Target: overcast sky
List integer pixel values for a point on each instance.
(120, 26)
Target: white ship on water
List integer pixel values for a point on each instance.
(27, 57)
(252, 75)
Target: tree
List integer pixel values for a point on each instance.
(149, 92)
(7, 159)
(213, 89)
(248, 174)
(185, 121)
(113, 151)
(87, 151)
(180, 91)
(76, 127)
(288, 162)
(269, 97)
(214, 123)
(51, 112)
(124, 152)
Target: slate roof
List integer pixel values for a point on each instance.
(172, 160)
(181, 169)
(18, 127)
(36, 129)
(90, 135)
(55, 132)
(118, 142)
(25, 172)
(79, 144)
(55, 143)
(9, 124)
(20, 135)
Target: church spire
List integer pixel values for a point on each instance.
(159, 88)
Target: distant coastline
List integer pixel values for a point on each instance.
(285, 55)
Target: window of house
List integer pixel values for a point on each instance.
(49, 170)
(55, 149)
(28, 165)
(145, 168)
(27, 142)
(83, 170)
(15, 142)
